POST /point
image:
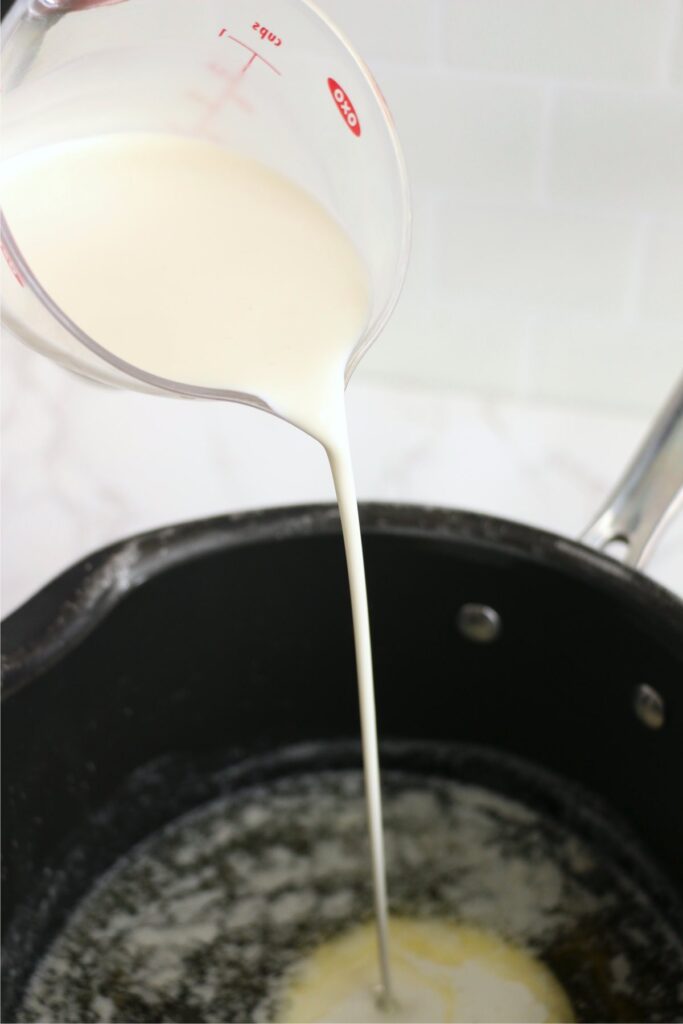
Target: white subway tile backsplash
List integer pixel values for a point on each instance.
(469, 137)
(397, 30)
(662, 277)
(438, 344)
(483, 350)
(635, 367)
(624, 150)
(595, 40)
(532, 259)
(544, 140)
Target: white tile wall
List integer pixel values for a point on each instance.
(618, 149)
(662, 279)
(560, 348)
(466, 136)
(544, 140)
(399, 30)
(531, 258)
(598, 40)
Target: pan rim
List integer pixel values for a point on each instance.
(69, 607)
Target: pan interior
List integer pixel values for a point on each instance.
(205, 919)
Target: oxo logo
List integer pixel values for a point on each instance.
(344, 106)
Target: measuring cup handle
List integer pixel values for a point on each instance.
(646, 494)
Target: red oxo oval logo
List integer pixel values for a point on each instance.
(344, 106)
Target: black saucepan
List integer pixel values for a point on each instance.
(202, 645)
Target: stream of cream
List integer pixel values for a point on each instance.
(206, 268)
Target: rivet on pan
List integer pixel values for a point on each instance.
(479, 623)
(649, 706)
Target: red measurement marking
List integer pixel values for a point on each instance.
(254, 54)
(213, 105)
(344, 106)
(11, 264)
(231, 84)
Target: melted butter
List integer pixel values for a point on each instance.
(442, 972)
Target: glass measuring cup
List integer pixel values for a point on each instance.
(272, 80)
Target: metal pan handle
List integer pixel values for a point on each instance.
(647, 492)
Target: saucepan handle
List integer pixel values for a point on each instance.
(647, 493)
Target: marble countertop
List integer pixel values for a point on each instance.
(83, 465)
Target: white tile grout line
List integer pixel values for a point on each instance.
(636, 271)
(673, 23)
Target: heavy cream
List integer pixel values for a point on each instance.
(208, 269)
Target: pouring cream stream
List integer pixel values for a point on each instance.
(206, 268)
